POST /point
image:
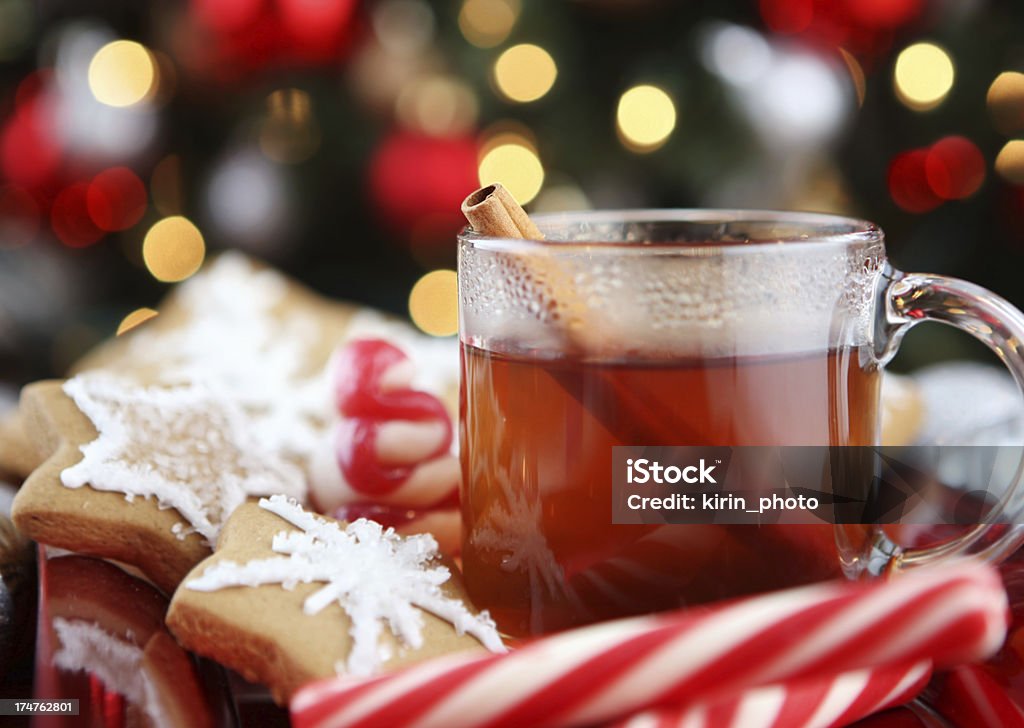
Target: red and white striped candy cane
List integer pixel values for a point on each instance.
(393, 445)
(825, 702)
(949, 615)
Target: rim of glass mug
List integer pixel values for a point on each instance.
(819, 229)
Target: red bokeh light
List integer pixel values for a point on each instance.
(116, 199)
(883, 14)
(227, 15)
(865, 28)
(787, 16)
(31, 87)
(418, 181)
(318, 27)
(908, 182)
(69, 217)
(954, 168)
(29, 152)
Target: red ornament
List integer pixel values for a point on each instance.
(418, 182)
(116, 199)
(862, 27)
(226, 16)
(955, 168)
(883, 14)
(70, 218)
(249, 35)
(30, 154)
(908, 182)
(787, 16)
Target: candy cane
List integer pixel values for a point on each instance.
(393, 442)
(949, 615)
(827, 702)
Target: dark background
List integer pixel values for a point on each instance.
(331, 181)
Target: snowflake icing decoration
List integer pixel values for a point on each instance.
(375, 575)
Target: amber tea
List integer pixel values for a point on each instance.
(540, 550)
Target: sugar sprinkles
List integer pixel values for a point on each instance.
(376, 576)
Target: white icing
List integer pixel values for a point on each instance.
(241, 342)
(187, 447)
(376, 576)
(117, 663)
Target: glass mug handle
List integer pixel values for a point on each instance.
(905, 300)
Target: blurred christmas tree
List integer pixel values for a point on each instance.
(336, 138)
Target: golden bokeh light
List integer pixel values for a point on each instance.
(434, 303)
(438, 106)
(645, 117)
(122, 73)
(1006, 102)
(487, 23)
(173, 249)
(923, 76)
(1010, 162)
(525, 73)
(135, 318)
(515, 166)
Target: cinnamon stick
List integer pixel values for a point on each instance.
(492, 211)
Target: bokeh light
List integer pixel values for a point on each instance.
(738, 54)
(562, 197)
(290, 133)
(116, 199)
(404, 28)
(525, 72)
(1010, 162)
(247, 200)
(515, 166)
(434, 303)
(70, 219)
(173, 249)
(135, 318)
(1006, 102)
(923, 76)
(122, 73)
(955, 168)
(437, 105)
(787, 16)
(487, 23)
(908, 182)
(646, 116)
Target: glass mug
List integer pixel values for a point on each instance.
(680, 327)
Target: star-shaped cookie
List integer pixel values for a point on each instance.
(144, 476)
(290, 597)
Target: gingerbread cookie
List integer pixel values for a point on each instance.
(18, 454)
(142, 475)
(290, 597)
